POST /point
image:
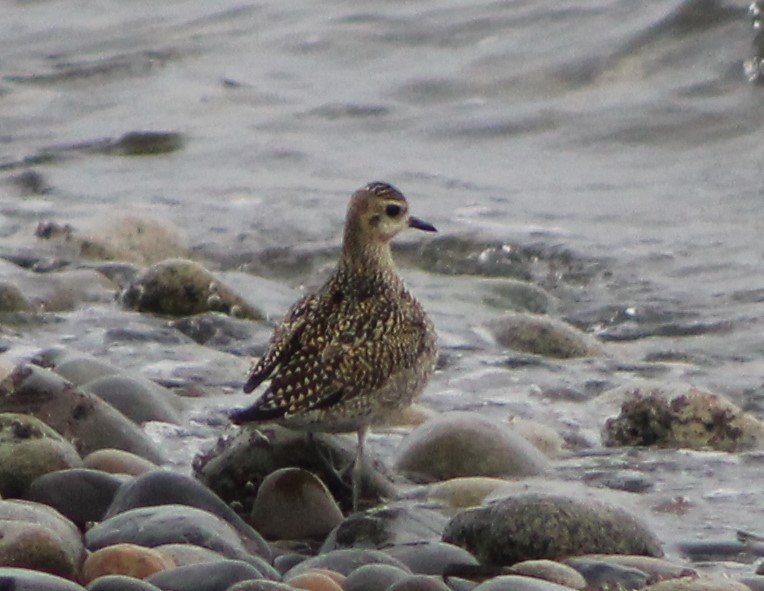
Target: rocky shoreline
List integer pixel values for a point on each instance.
(90, 500)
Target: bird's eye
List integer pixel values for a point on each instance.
(393, 210)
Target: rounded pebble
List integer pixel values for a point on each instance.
(22, 579)
(125, 559)
(28, 449)
(519, 583)
(118, 461)
(345, 561)
(293, 504)
(79, 494)
(139, 400)
(459, 444)
(374, 577)
(211, 576)
(419, 583)
(314, 581)
(120, 583)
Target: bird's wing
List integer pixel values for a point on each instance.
(351, 359)
(284, 342)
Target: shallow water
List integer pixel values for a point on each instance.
(622, 133)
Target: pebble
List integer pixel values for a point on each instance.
(28, 449)
(125, 559)
(533, 526)
(314, 581)
(698, 585)
(22, 579)
(139, 400)
(79, 494)
(183, 554)
(168, 524)
(120, 583)
(419, 583)
(165, 487)
(461, 444)
(209, 576)
(181, 287)
(35, 536)
(260, 585)
(78, 416)
(551, 571)
(544, 336)
(374, 577)
(117, 461)
(599, 574)
(387, 525)
(658, 568)
(543, 437)
(433, 558)
(345, 561)
(81, 369)
(519, 583)
(293, 504)
(460, 493)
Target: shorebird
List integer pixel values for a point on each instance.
(357, 349)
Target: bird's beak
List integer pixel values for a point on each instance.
(421, 225)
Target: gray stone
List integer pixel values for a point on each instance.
(28, 449)
(293, 504)
(345, 561)
(210, 576)
(120, 583)
(460, 444)
(544, 526)
(139, 400)
(79, 494)
(79, 416)
(22, 579)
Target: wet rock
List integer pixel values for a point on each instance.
(514, 295)
(179, 287)
(237, 465)
(164, 487)
(460, 493)
(123, 236)
(519, 583)
(293, 504)
(77, 369)
(170, 524)
(29, 449)
(120, 583)
(684, 418)
(432, 558)
(466, 444)
(543, 437)
(139, 400)
(80, 417)
(214, 329)
(185, 554)
(260, 585)
(698, 585)
(599, 574)
(345, 561)
(374, 577)
(35, 536)
(12, 299)
(125, 559)
(551, 571)
(117, 461)
(314, 581)
(419, 583)
(79, 494)
(388, 525)
(146, 143)
(22, 579)
(544, 336)
(548, 527)
(658, 569)
(211, 576)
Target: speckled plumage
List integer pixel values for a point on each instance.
(358, 348)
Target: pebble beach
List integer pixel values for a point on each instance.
(171, 184)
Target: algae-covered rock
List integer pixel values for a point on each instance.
(543, 335)
(28, 449)
(682, 418)
(180, 287)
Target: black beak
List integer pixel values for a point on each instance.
(421, 225)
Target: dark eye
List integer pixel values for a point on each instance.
(393, 210)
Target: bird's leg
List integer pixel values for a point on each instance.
(334, 477)
(358, 467)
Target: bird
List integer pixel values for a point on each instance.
(357, 349)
